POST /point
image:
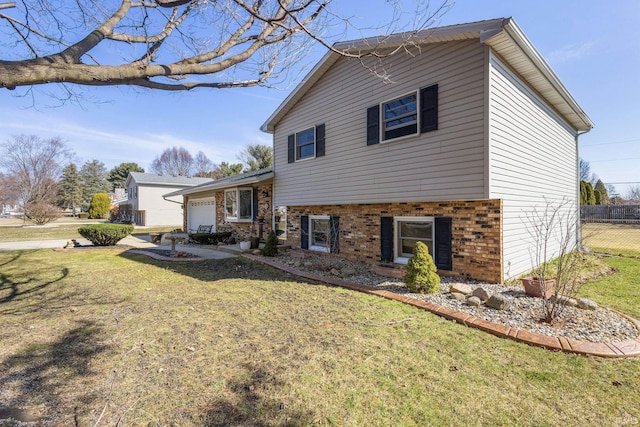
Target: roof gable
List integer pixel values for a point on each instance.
(503, 35)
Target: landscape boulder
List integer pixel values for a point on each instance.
(481, 293)
(587, 304)
(474, 301)
(498, 302)
(460, 288)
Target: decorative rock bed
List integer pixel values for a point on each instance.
(505, 305)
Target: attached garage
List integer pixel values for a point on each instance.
(201, 212)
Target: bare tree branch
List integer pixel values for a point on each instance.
(170, 44)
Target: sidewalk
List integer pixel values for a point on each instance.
(133, 241)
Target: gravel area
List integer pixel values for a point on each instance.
(600, 325)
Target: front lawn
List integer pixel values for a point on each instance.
(104, 337)
(16, 233)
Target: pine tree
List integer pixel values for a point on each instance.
(270, 245)
(70, 188)
(583, 193)
(118, 175)
(94, 180)
(597, 196)
(591, 198)
(604, 200)
(420, 273)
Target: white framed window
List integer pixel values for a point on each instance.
(306, 144)
(408, 230)
(319, 233)
(399, 117)
(238, 204)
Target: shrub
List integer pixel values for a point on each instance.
(271, 245)
(420, 274)
(83, 215)
(41, 213)
(99, 206)
(105, 234)
(210, 238)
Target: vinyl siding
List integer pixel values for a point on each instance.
(446, 164)
(533, 156)
(158, 210)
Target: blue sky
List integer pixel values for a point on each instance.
(593, 47)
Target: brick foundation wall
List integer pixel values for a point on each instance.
(476, 232)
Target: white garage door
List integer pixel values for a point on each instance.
(201, 212)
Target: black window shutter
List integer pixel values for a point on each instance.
(443, 258)
(429, 108)
(386, 238)
(291, 148)
(334, 229)
(320, 140)
(254, 195)
(373, 125)
(304, 232)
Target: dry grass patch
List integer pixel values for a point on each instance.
(112, 338)
(616, 239)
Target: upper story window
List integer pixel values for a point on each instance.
(306, 144)
(400, 117)
(238, 204)
(407, 115)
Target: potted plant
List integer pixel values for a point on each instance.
(245, 245)
(538, 286)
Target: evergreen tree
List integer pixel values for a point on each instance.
(583, 193)
(597, 196)
(228, 169)
(420, 273)
(591, 198)
(94, 180)
(256, 157)
(99, 206)
(118, 175)
(70, 188)
(603, 192)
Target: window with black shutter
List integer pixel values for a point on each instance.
(306, 144)
(410, 114)
(443, 235)
(304, 232)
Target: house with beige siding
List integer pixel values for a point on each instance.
(467, 133)
(145, 203)
(241, 204)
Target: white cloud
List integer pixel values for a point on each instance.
(572, 52)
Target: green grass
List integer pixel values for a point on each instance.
(67, 231)
(232, 342)
(615, 239)
(621, 290)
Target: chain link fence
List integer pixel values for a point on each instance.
(611, 229)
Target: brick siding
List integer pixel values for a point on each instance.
(476, 232)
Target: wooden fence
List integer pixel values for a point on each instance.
(614, 214)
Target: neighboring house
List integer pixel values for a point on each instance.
(145, 200)
(473, 131)
(237, 203)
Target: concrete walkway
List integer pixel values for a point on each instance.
(140, 243)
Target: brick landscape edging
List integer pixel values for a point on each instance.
(622, 349)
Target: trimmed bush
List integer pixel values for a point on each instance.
(270, 245)
(99, 206)
(105, 234)
(420, 273)
(210, 238)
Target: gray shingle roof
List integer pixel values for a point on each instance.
(230, 181)
(154, 178)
